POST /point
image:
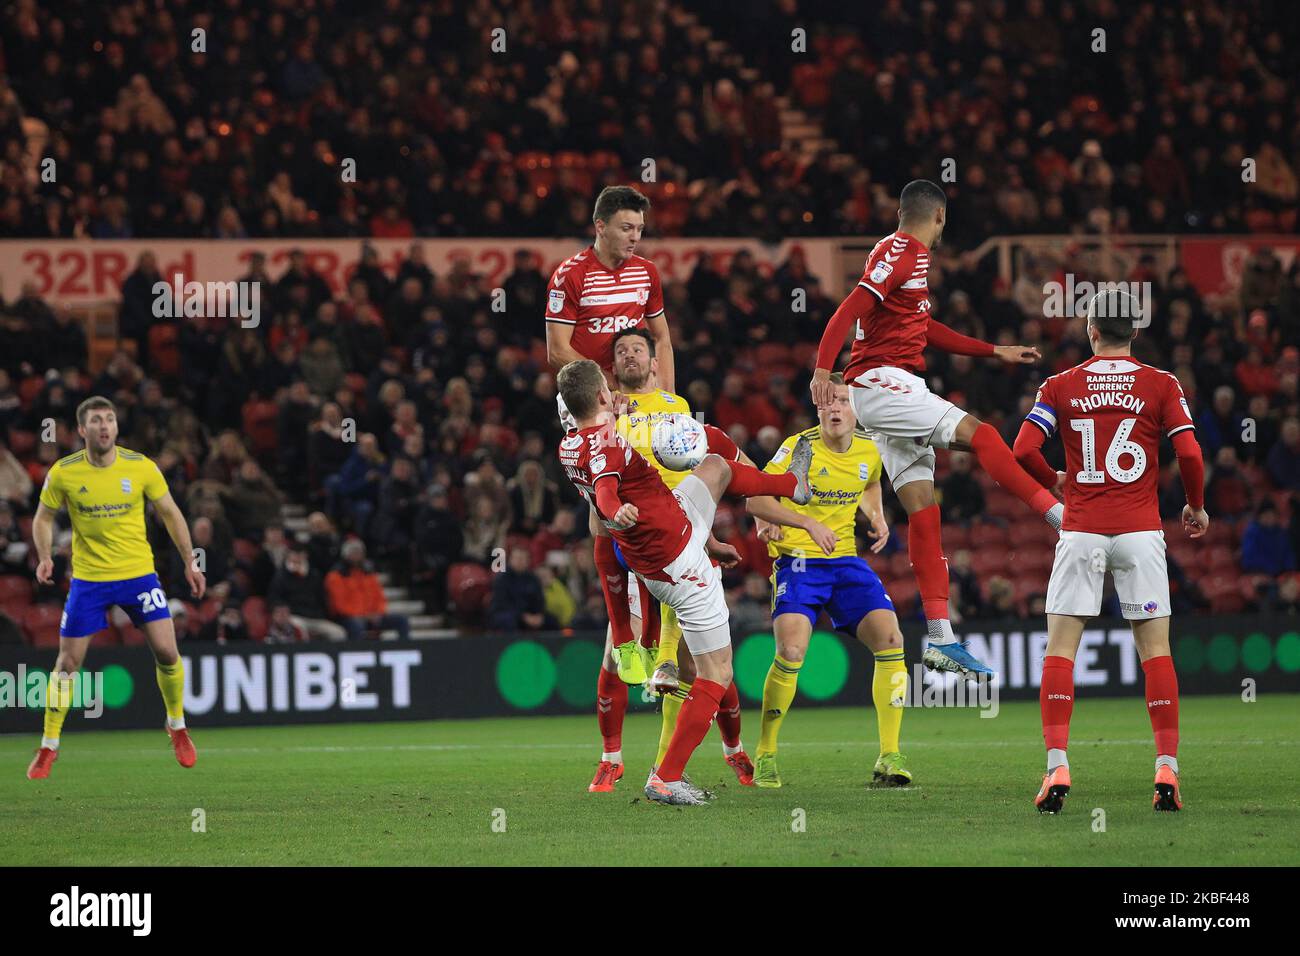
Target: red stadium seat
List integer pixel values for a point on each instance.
(988, 536)
(15, 590)
(109, 637)
(1220, 560)
(1000, 504)
(987, 561)
(260, 425)
(131, 636)
(900, 565)
(45, 636)
(38, 617)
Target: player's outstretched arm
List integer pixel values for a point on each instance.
(1028, 451)
(179, 532)
(773, 512)
(43, 539)
(872, 504)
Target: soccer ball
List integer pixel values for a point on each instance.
(679, 442)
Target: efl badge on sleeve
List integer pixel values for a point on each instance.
(555, 304)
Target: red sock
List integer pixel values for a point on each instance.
(747, 481)
(613, 581)
(925, 549)
(720, 443)
(1162, 703)
(729, 716)
(611, 705)
(1056, 701)
(692, 724)
(997, 459)
(649, 616)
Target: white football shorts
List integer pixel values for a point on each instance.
(1137, 561)
(905, 419)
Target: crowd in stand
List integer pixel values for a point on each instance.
(454, 134)
(432, 446)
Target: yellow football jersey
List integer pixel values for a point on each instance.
(106, 506)
(838, 481)
(643, 411)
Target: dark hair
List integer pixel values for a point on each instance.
(640, 330)
(92, 403)
(614, 199)
(919, 199)
(1114, 312)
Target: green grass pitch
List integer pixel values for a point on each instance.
(513, 791)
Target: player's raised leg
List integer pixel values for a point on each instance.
(1056, 706)
(160, 634)
(1152, 639)
(925, 550)
(1001, 464)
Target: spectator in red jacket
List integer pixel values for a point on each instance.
(356, 597)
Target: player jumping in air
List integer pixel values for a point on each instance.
(591, 297)
(635, 371)
(845, 478)
(662, 535)
(1111, 411)
(890, 311)
(105, 488)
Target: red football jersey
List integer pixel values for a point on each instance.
(662, 530)
(598, 303)
(894, 333)
(1111, 412)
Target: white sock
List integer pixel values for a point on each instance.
(1164, 760)
(728, 751)
(615, 757)
(1055, 515)
(1056, 758)
(941, 631)
(51, 742)
(175, 723)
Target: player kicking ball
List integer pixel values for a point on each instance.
(845, 476)
(663, 536)
(891, 314)
(1111, 411)
(105, 488)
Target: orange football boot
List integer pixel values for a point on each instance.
(744, 767)
(183, 746)
(1167, 797)
(1055, 788)
(39, 768)
(607, 774)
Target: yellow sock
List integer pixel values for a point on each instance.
(670, 635)
(672, 706)
(888, 691)
(58, 700)
(778, 695)
(171, 681)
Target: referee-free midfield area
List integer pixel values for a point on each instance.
(513, 791)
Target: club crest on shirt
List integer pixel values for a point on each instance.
(555, 303)
(642, 296)
(126, 486)
(864, 471)
(881, 272)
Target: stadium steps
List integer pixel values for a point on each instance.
(424, 626)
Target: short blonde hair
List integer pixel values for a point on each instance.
(579, 383)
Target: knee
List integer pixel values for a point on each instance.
(791, 651)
